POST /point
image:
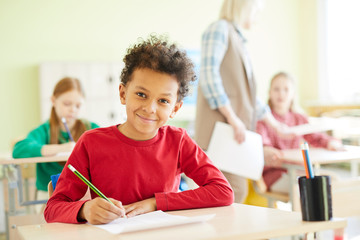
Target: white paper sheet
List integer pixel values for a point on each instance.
(150, 220)
(245, 159)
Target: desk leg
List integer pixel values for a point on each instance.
(310, 236)
(354, 166)
(292, 176)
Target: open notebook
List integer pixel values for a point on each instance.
(157, 219)
(245, 159)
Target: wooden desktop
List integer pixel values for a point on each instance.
(237, 221)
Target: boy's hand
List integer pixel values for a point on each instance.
(141, 207)
(100, 211)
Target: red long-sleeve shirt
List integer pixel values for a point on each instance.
(272, 139)
(130, 171)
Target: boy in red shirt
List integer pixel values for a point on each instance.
(138, 164)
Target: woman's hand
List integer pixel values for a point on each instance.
(141, 207)
(100, 211)
(239, 129)
(235, 122)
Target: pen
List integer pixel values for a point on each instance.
(67, 129)
(307, 163)
(89, 183)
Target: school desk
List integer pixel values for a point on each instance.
(238, 221)
(293, 161)
(14, 191)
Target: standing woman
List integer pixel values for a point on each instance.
(227, 87)
(51, 137)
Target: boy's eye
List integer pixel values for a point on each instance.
(164, 101)
(140, 94)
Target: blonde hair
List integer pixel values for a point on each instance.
(291, 79)
(238, 11)
(65, 85)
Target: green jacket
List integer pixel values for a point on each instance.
(31, 147)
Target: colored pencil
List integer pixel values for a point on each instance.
(97, 191)
(307, 164)
(67, 129)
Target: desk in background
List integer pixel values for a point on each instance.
(14, 188)
(237, 221)
(293, 161)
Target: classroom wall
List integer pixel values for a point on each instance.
(87, 30)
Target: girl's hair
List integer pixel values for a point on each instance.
(238, 11)
(64, 85)
(291, 80)
(159, 55)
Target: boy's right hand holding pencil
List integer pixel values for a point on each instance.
(101, 211)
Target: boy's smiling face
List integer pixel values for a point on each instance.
(150, 98)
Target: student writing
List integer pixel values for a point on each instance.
(51, 137)
(138, 164)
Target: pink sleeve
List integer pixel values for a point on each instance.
(314, 139)
(213, 191)
(318, 139)
(263, 130)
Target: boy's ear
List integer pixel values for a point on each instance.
(177, 106)
(122, 93)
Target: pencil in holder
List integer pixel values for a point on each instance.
(315, 198)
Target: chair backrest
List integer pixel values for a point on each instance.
(50, 188)
(52, 183)
(260, 188)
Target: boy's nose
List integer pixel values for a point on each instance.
(150, 107)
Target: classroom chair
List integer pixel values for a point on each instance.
(52, 186)
(270, 196)
(52, 183)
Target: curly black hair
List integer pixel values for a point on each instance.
(157, 54)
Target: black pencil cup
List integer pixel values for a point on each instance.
(315, 198)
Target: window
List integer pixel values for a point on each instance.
(341, 51)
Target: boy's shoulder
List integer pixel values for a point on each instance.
(99, 131)
(169, 130)
(172, 129)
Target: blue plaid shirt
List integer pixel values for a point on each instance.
(213, 48)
